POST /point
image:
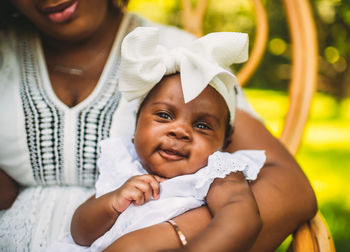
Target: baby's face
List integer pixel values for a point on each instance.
(173, 138)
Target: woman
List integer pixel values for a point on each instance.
(59, 97)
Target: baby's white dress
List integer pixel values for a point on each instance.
(118, 162)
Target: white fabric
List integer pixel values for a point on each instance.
(144, 62)
(118, 162)
(39, 216)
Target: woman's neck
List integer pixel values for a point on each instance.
(75, 68)
(80, 53)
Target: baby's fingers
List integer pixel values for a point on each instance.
(153, 182)
(137, 196)
(144, 187)
(148, 184)
(159, 179)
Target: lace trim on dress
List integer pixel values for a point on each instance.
(220, 164)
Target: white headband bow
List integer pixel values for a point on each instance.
(144, 62)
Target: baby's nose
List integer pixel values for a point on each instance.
(181, 132)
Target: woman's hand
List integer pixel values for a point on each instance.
(8, 190)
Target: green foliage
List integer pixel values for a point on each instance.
(333, 22)
(323, 155)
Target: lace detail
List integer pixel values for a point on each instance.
(221, 164)
(15, 219)
(39, 216)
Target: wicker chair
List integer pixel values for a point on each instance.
(313, 235)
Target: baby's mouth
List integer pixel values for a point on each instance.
(172, 154)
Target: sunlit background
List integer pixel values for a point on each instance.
(325, 150)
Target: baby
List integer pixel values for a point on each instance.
(186, 114)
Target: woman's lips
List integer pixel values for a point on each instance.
(62, 12)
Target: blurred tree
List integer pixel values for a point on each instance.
(333, 21)
(333, 26)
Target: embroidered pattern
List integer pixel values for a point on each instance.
(93, 125)
(43, 122)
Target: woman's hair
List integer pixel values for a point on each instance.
(7, 11)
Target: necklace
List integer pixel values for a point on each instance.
(68, 70)
(77, 71)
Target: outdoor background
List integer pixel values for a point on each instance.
(325, 150)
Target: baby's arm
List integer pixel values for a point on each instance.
(97, 215)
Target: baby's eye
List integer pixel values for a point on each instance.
(203, 126)
(164, 115)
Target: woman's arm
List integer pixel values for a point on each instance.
(236, 221)
(283, 193)
(8, 190)
(162, 236)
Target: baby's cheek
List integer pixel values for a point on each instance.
(200, 162)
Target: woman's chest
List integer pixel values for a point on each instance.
(44, 142)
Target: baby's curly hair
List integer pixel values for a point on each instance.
(8, 11)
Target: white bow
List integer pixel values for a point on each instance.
(144, 62)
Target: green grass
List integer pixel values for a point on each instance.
(324, 153)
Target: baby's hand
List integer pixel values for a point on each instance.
(138, 190)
